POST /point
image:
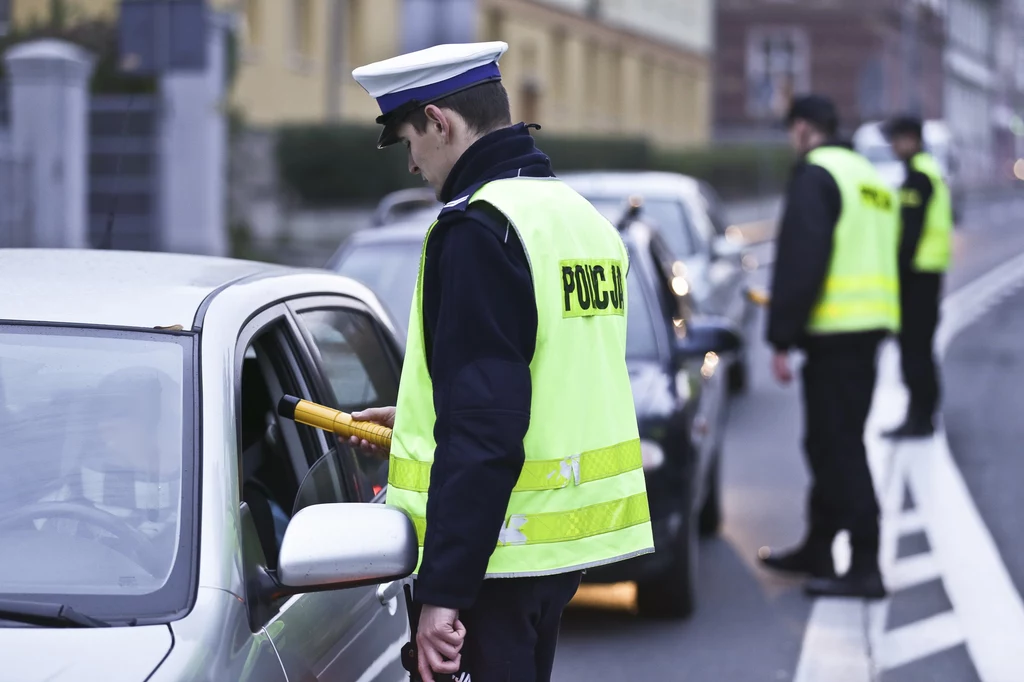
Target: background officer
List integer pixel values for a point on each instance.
(927, 215)
(515, 439)
(834, 294)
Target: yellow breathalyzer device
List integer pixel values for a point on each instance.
(337, 422)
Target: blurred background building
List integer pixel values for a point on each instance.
(690, 86)
(873, 57)
(955, 60)
(584, 66)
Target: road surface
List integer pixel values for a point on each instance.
(951, 528)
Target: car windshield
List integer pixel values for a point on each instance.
(668, 216)
(389, 270)
(93, 436)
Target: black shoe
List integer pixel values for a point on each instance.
(911, 428)
(801, 561)
(858, 586)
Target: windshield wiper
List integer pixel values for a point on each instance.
(47, 614)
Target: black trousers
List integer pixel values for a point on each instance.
(838, 383)
(512, 629)
(919, 299)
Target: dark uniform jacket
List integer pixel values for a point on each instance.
(803, 251)
(480, 319)
(913, 216)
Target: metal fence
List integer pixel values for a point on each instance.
(15, 204)
(124, 193)
(15, 176)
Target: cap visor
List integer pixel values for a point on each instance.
(388, 137)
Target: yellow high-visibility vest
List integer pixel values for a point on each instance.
(935, 246)
(581, 499)
(861, 290)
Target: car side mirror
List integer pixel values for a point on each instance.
(723, 246)
(333, 546)
(708, 335)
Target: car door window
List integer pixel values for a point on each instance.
(353, 629)
(272, 451)
(359, 373)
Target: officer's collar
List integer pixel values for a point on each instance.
(501, 153)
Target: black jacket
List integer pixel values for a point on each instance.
(913, 216)
(803, 250)
(480, 319)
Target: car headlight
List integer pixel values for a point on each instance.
(651, 454)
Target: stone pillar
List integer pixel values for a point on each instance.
(193, 152)
(49, 90)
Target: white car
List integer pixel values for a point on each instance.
(159, 521)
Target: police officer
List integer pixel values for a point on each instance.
(834, 295)
(927, 215)
(515, 447)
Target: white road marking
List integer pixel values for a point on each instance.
(918, 640)
(911, 572)
(842, 637)
(837, 631)
(909, 522)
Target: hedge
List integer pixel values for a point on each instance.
(328, 165)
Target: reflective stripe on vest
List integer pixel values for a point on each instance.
(576, 524)
(861, 290)
(935, 246)
(580, 500)
(548, 474)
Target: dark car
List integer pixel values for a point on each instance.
(679, 398)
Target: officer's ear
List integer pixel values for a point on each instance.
(438, 121)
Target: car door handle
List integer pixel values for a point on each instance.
(388, 591)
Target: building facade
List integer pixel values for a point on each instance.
(973, 85)
(872, 57)
(598, 67)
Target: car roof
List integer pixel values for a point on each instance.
(617, 183)
(115, 288)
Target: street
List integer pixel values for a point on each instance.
(950, 522)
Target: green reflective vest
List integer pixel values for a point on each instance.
(861, 290)
(581, 499)
(934, 248)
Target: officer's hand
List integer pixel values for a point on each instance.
(780, 368)
(385, 416)
(439, 640)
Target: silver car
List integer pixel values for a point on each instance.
(158, 520)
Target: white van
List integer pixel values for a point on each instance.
(938, 141)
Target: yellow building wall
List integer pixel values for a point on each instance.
(27, 12)
(280, 79)
(596, 80)
(373, 31)
(571, 75)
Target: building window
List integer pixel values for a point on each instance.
(302, 30)
(778, 67)
(252, 27)
(5, 16)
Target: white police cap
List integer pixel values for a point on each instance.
(406, 82)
